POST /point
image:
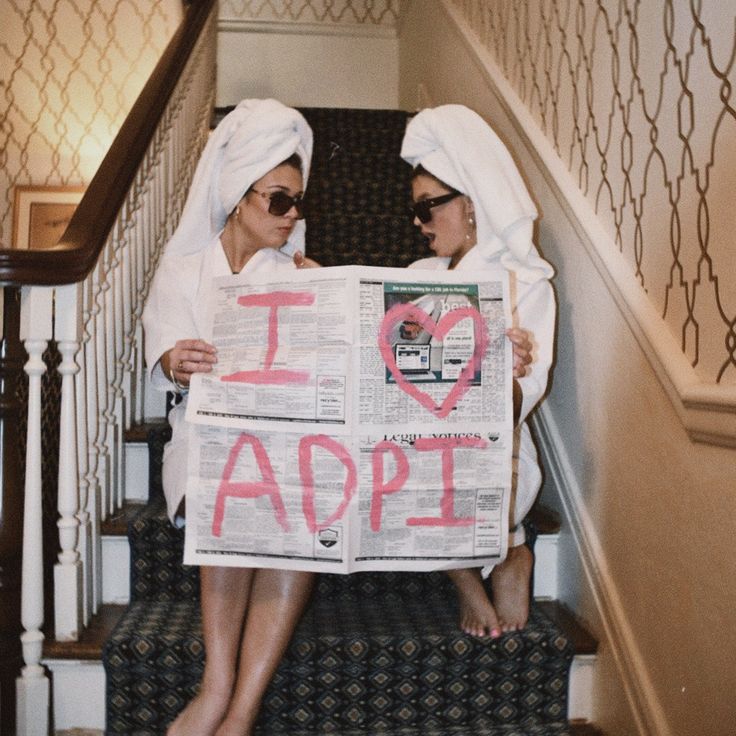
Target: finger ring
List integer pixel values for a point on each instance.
(179, 365)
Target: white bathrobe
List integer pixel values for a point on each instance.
(533, 309)
(458, 147)
(174, 312)
(249, 142)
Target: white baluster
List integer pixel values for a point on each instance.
(108, 355)
(95, 467)
(102, 445)
(116, 405)
(68, 596)
(32, 686)
(84, 545)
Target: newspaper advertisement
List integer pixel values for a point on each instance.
(358, 418)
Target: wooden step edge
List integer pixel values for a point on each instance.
(545, 519)
(582, 640)
(139, 432)
(94, 636)
(116, 525)
(583, 728)
(92, 639)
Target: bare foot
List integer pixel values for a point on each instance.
(201, 717)
(510, 585)
(477, 615)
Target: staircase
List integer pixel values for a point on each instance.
(375, 652)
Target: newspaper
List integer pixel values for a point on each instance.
(358, 418)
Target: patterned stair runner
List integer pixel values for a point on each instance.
(375, 652)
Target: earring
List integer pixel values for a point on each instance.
(470, 235)
(237, 211)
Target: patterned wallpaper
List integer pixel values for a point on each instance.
(70, 71)
(371, 12)
(637, 99)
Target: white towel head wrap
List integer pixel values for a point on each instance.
(251, 140)
(457, 146)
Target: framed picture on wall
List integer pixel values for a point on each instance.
(41, 215)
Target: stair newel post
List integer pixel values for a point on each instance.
(32, 687)
(68, 596)
(84, 545)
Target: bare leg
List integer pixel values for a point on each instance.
(510, 583)
(225, 592)
(477, 614)
(278, 598)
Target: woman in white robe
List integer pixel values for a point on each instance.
(471, 204)
(242, 215)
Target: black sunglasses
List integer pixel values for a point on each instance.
(279, 203)
(422, 210)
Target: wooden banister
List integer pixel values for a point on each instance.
(80, 246)
(99, 274)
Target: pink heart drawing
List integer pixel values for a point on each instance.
(412, 313)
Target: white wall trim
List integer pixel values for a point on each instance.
(372, 30)
(640, 693)
(707, 410)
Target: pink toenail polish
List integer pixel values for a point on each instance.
(495, 633)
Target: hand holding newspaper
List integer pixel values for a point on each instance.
(358, 418)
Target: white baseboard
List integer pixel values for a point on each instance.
(619, 639)
(136, 471)
(154, 402)
(78, 693)
(580, 687)
(545, 566)
(115, 569)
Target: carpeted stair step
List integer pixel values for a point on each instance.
(355, 129)
(363, 240)
(375, 663)
(359, 183)
(482, 728)
(359, 190)
(156, 553)
(157, 435)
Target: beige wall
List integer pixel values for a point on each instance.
(70, 71)
(649, 515)
(338, 53)
(308, 70)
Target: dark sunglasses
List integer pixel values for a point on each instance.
(422, 210)
(279, 203)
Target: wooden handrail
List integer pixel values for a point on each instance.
(80, 246)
